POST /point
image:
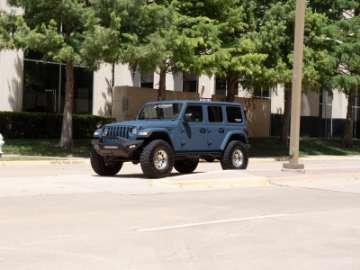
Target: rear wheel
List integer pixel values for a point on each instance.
(101, 167)
(186, 165)
(157, 159)
(235, 156)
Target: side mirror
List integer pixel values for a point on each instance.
(187, 117)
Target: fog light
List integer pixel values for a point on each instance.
(2, 142)
(132, 146)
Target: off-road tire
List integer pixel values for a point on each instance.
(186, 165)
(227, 158)
(147, 159)
(101, 167)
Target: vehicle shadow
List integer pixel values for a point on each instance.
(138, 176)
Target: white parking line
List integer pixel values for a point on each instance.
(220, 221)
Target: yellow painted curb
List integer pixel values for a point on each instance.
(241, 182)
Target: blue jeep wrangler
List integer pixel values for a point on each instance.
(176, 134)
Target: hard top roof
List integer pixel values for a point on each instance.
(197, 102)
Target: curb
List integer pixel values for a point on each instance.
(43, 162)
(36, 160)
(243, 182)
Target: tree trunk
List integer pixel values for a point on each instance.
(66, 140)
(232, 88)
(284, 136)
(162, 85)
(348, 132)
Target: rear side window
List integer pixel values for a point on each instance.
(234, 114)
(215, 114)
(196, 113)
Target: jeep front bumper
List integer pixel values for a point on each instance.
(116, 147)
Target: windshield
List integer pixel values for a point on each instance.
(163, 111)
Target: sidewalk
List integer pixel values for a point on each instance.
(7, 160)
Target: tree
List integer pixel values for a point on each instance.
(10, 22)
(346, 37)
(236, 52)
(277, 39)
(65, 31)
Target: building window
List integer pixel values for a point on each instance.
(147, 80)
(190, 82)
(220, 86)
(262, 92)
(44, 86)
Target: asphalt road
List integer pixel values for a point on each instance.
(64, 217)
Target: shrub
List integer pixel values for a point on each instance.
(23, 125)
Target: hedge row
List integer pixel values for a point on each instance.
(22, 125)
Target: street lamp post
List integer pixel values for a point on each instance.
(297, 88)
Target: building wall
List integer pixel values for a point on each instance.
(206, 87)
(11, 80)
(277, 100)
(11, 73)
(309, 102)
(339, 105)
(126, 77)
(173, 81)
(102, 91)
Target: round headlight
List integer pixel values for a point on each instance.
(134, 131)
(98, 133)
(105, 132)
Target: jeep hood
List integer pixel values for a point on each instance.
(146, 123)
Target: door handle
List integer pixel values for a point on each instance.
(202, 130)
(221, 130)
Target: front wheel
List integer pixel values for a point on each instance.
(101, 167)
(186, 165)
(157, 159)
(235, 156)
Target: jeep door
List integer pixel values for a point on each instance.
(193, 130)
(216, 127)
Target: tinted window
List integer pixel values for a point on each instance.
(161, 111)
(215, 114)
(196, 113)
(234, 115)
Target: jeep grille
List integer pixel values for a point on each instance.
(118, 131)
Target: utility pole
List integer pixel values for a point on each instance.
(297, 88)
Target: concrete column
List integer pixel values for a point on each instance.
(173, 81)
(11, 80)
(102, 91)
(124, 76)
(206, 86)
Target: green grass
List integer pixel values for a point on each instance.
(264, 147)
(270, 147)
(45, 148)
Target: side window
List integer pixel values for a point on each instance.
(215, 114)
(234, 115)
(196, 113)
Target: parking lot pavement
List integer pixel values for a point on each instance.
(65, 217)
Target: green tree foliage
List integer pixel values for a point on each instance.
(346, 37)
(66, 31)
(158, 35)
(236, 54)
(10, 23)
(277, 39)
